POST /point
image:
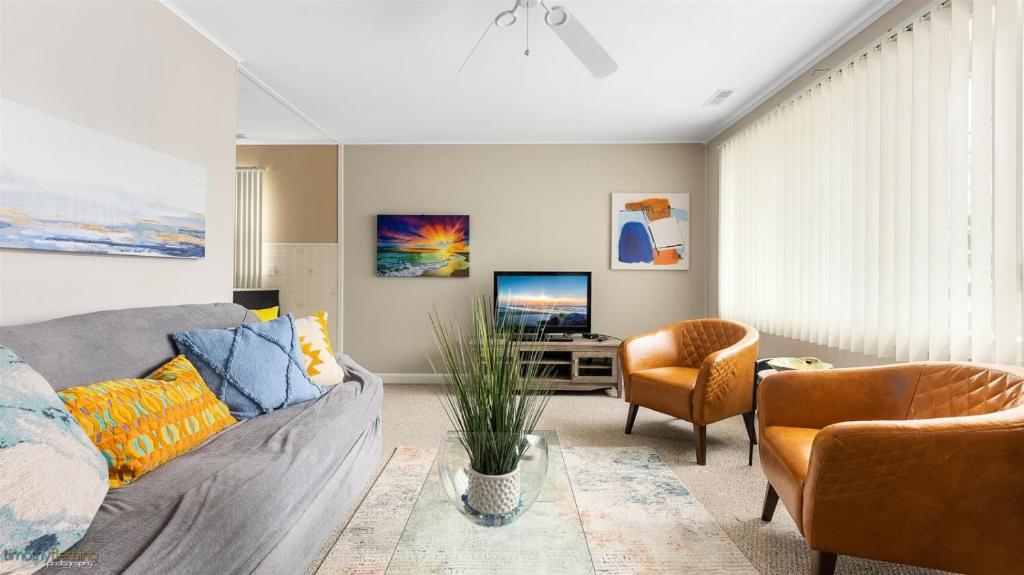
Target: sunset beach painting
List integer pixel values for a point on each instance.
(66, 187)
(412, 246)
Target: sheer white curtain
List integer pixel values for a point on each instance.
(880, 210)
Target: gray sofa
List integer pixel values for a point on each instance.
(261, 496)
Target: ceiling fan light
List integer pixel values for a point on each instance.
(556, 16)
(505, 19)
(573, 34)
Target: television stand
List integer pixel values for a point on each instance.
(576, 364)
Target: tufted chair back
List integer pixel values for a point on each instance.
(699, 338)
(957, 389)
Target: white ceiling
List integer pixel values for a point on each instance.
(262, 118)
(385, 71)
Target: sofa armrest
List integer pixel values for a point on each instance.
(944, 492)
(356, 372)
(816, 399)
(724, 386)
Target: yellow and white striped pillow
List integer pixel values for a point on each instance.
(317, 353)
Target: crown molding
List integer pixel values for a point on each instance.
(203, 31)
(273, 142)
(527, 143)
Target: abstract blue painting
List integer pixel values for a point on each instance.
(650, 231)
(68, 187)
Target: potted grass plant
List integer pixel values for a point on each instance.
(494, 396)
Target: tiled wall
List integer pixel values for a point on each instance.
(307, 275)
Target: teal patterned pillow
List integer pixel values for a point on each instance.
(52, 478)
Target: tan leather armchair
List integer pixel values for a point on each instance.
(920, 464)
(699, 370)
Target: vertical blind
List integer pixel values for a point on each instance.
(248, 227)
(880, 210)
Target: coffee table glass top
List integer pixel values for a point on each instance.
(609, 510)
(549, 538)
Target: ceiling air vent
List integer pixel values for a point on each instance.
(719, 96)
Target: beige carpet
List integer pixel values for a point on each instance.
(728, 489)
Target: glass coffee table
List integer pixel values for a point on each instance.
(548, 538)
(602, 510)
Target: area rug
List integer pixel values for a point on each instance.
(635, 514)
(639, 517)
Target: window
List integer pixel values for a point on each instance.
(880, 210)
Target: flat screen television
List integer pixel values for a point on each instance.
(549, 302)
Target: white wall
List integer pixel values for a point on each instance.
(531, 207)
(138, 72)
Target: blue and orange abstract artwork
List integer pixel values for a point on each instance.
(413, 246)
(650, 231)
(67, 187)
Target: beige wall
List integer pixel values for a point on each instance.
(774, 345)
(300, 191)
(531, 207)
(138, 72)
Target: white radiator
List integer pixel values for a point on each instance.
(248, 227)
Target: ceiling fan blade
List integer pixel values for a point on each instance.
(580, 41)
(504, 19)
(490, 25)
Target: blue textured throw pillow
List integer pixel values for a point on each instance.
(52, 478)
(253, 368)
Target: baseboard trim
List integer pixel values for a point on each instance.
(411, 378)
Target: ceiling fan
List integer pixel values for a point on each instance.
(591, 54)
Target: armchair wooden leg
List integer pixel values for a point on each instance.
(823, 563)
(633, 408)
(700, 436)
(748, 420)
(771, 499)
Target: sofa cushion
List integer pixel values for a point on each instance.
(254, 368)
(114, 344)
(785, 458)
(665, 389)
(261, 496)
(52, 479)
(140, 424)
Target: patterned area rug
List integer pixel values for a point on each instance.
(635, 516)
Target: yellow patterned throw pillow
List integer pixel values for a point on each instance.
(317, 353)
(140, 424)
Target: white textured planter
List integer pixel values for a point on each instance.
(493, 494)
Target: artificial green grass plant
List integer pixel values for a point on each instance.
(492, 388)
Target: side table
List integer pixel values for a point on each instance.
(761, 371)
